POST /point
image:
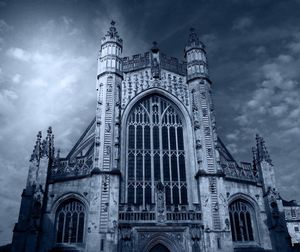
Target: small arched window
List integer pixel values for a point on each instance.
(242, 220)
(70, 221)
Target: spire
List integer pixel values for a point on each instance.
(261, 153)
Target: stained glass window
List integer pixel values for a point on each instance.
(70, 219)
(242, 219)
(155, 152)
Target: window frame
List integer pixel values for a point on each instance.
(178, 113)
(76, 203)
(254, 223)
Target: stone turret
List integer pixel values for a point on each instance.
(111, 49)
(195, 56)
(105, 175)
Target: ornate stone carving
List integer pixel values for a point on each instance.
(107, 106)
(195, 232)
(107, 127)
(107, 150)
(109, 87)
(126, 233)
(142, 81)
(227, 224)
(196, 125)
(223, 200)
(160, 202)
(198, 144)
(206, 200)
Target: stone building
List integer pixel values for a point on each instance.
(150, 172)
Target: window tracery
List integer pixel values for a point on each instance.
(242, 220)
(70, 221)
(155, 152)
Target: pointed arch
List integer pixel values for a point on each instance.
(188, 142)
(70, 222)
(244, 219)
(164, 240)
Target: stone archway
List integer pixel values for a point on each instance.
(159, 248)
(161, 242)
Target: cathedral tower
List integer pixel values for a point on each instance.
(105, 174)
(208, 171)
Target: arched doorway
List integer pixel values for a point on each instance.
(159, 248)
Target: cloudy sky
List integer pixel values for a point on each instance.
(48, 52)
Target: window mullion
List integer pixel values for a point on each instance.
(253, 224)
(160, 140)
(170, 164)
(151, 153)
(246, 226)
(64, 227)
(233, 230)
(143, 168)
(240, 221)
(178, 168)
(77, 226)
(127, 163)
(135, 180)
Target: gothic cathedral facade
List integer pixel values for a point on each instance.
(150, 172)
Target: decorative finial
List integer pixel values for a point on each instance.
(37, 147)
(39, 136)
(193, 39)
(49, 131)
(58, 153)
(154, 48)
(112, 34)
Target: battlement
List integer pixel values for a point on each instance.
(173, 64)
(140, 61)
(136, 62)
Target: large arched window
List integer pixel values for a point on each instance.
(70, 220)
(242, 220)
(155, 152)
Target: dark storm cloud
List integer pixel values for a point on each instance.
(48, 53)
